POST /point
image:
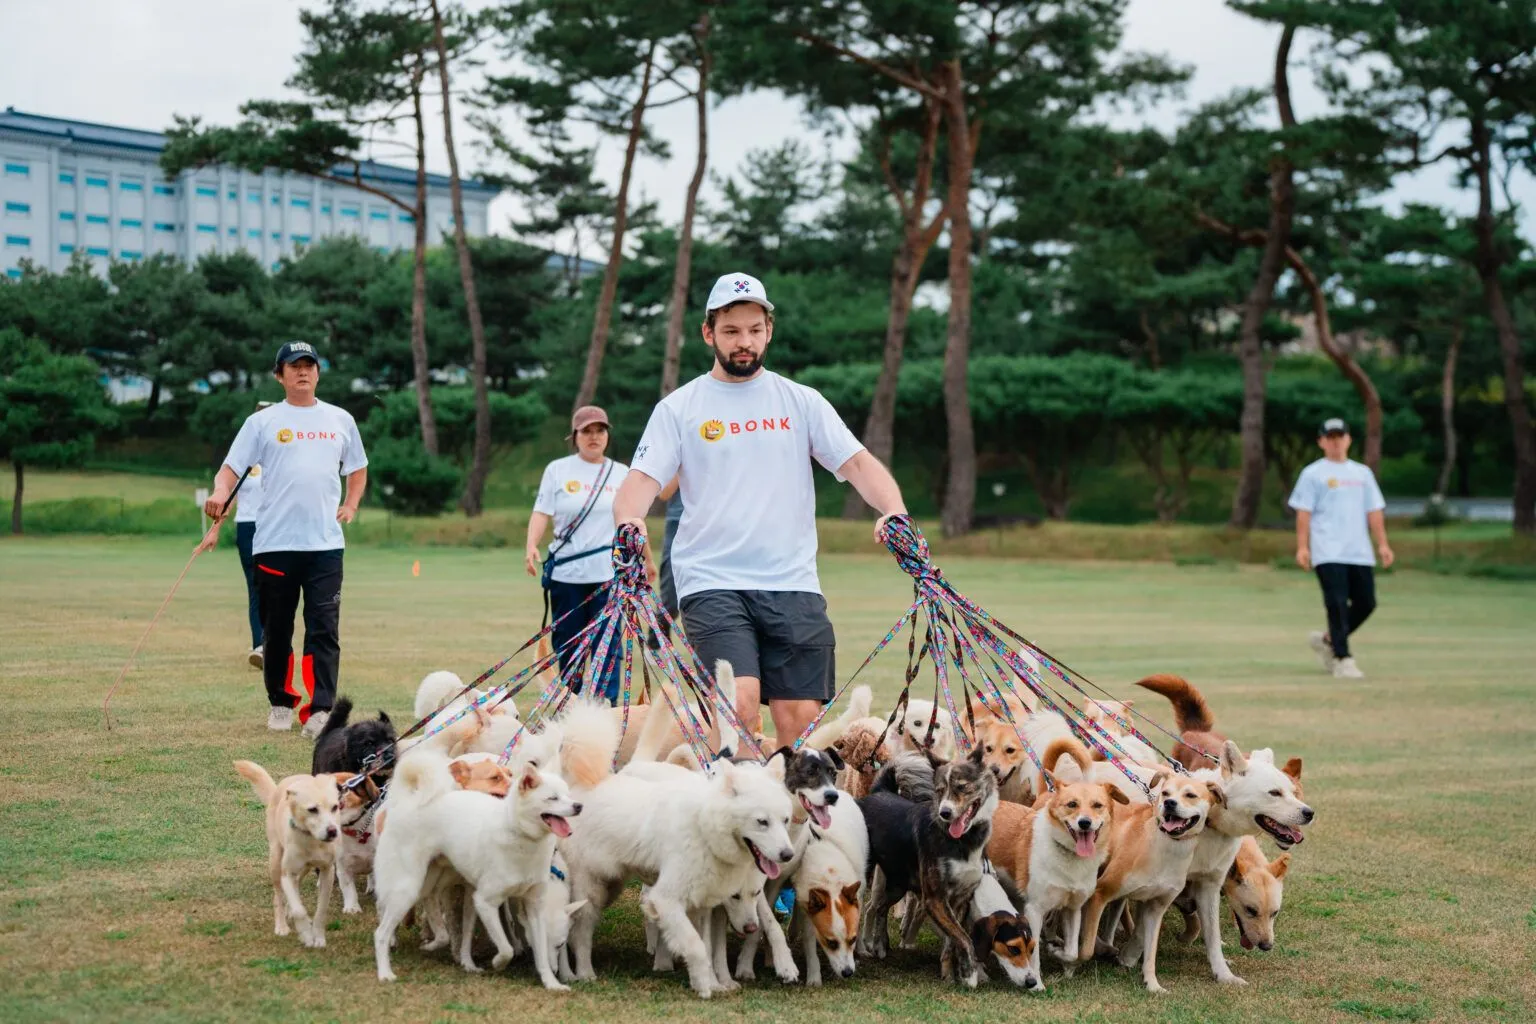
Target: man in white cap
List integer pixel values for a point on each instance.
(1337, 505)
(741, 440)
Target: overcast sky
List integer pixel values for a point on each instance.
(138, 62)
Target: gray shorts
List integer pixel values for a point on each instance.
(783, 638)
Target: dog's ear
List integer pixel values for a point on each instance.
(837, 761)
(1117, 796)
(384, 716)
(1293, 769)
(1266, 755)
(816, 901)
(850, 891)
(1232, 760)
(572, 908)
(1158, 778)
(1218, 794)
(978, 755)
(1280, 865)
(778, 763)
(460, 770)
(982, 932)
(1235, 872)
(726, 773)
(530, 779)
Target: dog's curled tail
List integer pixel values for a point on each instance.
(434, 690)
(589, 739)
(1067, 746)
(860, 702)
(418, 780)
(340, 712)
(259, 779)
(1190, 711)
(908, 775)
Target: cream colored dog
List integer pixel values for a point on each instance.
(303, 821)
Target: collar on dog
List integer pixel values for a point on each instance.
(359, 834)
(556, 872)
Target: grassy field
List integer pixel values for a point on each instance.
(133, 865)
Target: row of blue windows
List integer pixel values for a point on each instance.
(99, 250)
(14, 207)
(18, 242)
(15, 169)
(14, 273)
(96, 182)
(378, 215)
(131, 222)
(207, 190)
(95, 218)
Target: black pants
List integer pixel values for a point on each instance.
(1349, 595)
(245, 533)
(573, 598)
(282, 577)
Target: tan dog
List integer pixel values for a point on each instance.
(1150, 851)
(1055, 850)
(1255, 888)
(303, 821)
(863, 753)
(1004, 752)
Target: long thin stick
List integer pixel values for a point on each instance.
(106, 708)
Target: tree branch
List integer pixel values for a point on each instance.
(879, 67)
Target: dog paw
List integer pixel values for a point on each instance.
(586, 974)
(471, 967)
(972, 980)
(386, 975)
(727, 985)
(813, 981)
(789, 975)
(441, 942)
(1229, 979)
(1156, 989)
(501, 960)
(555, 986)
(745, 971)
(351, 908)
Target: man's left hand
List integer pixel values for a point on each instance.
(1387, 557)
(345, 514)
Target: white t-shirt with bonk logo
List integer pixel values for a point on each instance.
(563, 493)
(1339, 495)
(303, 451)
(744, 453)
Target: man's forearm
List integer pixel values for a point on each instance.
(1303, 530)
(635, 496)
(874, 483)
(1378, 524)
(224, 480)
(356, 483)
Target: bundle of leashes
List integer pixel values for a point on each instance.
(975, 652)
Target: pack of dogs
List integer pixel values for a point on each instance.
(1015, 862)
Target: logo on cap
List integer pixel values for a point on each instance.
(743, 286)
(284, 436)
(300, 346)
(712, 430)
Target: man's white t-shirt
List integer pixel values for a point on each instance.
(248, 501)
(563, 493)
(303, 451)
(1339, 494)
(749, 505)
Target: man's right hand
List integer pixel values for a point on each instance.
(213, 508)
(638, 523)
(1304, 558)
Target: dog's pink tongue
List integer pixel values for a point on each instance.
(821, 816)
(766, 866)
(1084, 844)
(559, 826)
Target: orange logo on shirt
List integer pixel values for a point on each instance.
(714, 430)
(284, 436)
(572, 486)
(1333, 483)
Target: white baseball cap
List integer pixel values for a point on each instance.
(737, 288)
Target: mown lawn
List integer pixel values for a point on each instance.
(133, 867)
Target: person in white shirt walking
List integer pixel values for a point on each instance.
(1339, 511)
(576, 494)
(303, 446)
(741, 440)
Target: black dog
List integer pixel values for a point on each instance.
(347, 748)
(928, 831)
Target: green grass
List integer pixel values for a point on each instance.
(132, 862)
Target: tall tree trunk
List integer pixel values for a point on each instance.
(1250, 346)
(683, 266)
(1448, 413)
(1489, 262)
(480, 463)
(906, 269)
(16, 498)
(600, 323)
(1351, 370)
(423, 369)
(960, 492)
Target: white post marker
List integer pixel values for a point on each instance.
(201, 497)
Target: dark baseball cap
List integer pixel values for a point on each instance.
(292, 352)
(1333, 425)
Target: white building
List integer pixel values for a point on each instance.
(72, 186)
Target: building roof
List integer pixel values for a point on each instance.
(60, 129)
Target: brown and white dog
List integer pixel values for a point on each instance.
(354, 854)
(1255, 888)
(1150, 848)
(303, 821)
(1055, 850)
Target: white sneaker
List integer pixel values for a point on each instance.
(280, 719)
(1345, 668)
(257, 656)
(1320, 647)
(316, 722)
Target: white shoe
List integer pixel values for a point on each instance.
(316, 722)
(280, 719)
(1320, 647)
(257, 656)
(1345, 668)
